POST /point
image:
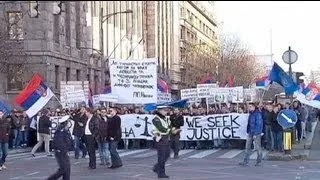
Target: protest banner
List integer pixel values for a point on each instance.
(75, 97)
(218, 126)
(134, 81)
(190, 94)
(250, 95)
(237, 94)
(164, 97)
(204, 90)
(71, 86)
(108, 98)
(54, 125)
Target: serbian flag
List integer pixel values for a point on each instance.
(107, 90)
(309, 95)
(229, 82)
(263, 82)
(207, 80)
(35, 96)
(163, 86)
(312, 92)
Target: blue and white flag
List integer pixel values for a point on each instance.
(278, 75)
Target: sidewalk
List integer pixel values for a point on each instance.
(299, 151)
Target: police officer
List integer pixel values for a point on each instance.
(62, 143)
(162, 132)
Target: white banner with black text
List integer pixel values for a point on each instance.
(217, 126)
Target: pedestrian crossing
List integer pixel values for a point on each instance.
(149, 153)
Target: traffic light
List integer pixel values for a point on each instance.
(298, 75)
(57, 7)
(34, 9)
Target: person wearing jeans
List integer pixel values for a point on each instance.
(103, 145)
(114, 136)
(277, 130)
(254, 130)
(4, 139)
(78, 132)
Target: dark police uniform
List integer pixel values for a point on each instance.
(162, 132)
(62, 143)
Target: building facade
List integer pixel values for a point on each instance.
(199, 42)
(54, 45)
(116, 31)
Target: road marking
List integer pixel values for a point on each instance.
(231, 154)
(255, 154)
(30, 174)
(168, 165)
(137, 175)
(132, 152)
(205, 153)
(286, 117)
(76, 163)
(145, 155)
(19, 154)
(37, 157)
(183, 152)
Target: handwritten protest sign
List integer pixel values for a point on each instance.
(134, 81)
(164, 97)
(190, 94)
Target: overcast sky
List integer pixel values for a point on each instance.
(294, 24)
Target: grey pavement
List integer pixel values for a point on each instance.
(193, 164)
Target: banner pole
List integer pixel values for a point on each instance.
(207, 103)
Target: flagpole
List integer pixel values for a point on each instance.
(58, 100)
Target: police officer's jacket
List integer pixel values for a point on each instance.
(62, 141)
(161, 125)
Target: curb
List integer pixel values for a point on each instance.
(288, 157)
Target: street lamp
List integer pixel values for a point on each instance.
(106, 17)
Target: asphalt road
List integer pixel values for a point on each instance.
(193, 164)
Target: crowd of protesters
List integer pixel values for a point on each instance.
(23, 135)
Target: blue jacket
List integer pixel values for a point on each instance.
(255, 123)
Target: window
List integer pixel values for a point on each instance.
(68, 74)
(15, 77)
(78, 75)
(182, 32)
(203, 27)
(56, 77)
(78, 26)
(182, 11)
(67, 24)
(188, 35)
(15, 24)
(56, 27)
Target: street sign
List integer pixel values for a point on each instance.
(290, 56)
(287, 118)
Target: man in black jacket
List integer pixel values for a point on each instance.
(79, 119)
(177, 121)
(114, 136)
(91, 132)
(44, 133)
(62, 143)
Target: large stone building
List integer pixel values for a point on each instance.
(137, 30)
(52, 45)
(199, 41)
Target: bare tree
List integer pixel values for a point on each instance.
(199, 60)
(237, 60)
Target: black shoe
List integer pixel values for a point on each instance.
(76, 157)
(114, 167)
(91, 167)
(33, 155)
(176, 156)
(163, 176)
(83, 157)
(155, 170)
(258, 164)
(243, 164)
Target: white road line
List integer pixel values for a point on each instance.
(30, 174)
(255, 154)
(137, 175)
(145, 155)
(205, 153)
(37, 157)
(133, 152)
(231, 154)
(18, 154)
(76, 163)
(185, 151)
